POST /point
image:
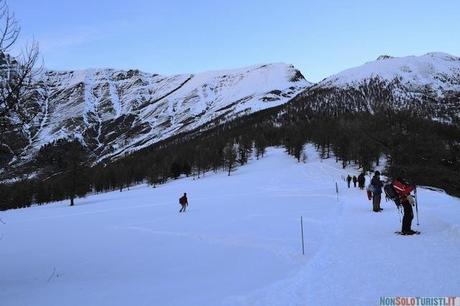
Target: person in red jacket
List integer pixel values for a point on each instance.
(407, 202)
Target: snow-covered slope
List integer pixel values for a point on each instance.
(116, 112)
(428, 85)
(439, 71)
(238, 244)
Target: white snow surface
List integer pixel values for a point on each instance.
(238, 244)
(437, 70)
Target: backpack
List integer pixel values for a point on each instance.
(391, 194)
(182, 200)
(370, 188)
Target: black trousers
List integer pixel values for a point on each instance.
(408, 216)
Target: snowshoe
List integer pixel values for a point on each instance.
(407, 233)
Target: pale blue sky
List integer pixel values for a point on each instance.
(318, 37)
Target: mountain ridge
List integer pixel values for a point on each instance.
(412, 126)
(117, 112)
(427, 85)
(427, 69)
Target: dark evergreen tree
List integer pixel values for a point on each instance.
(230, 157)
(245, 146)
(176, 170)
(65, 162)
(260, 144)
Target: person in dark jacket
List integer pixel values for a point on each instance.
(376, 185)
(403, 190)
(348, 180)
(355, 179)
(361, 180)
(183, 201)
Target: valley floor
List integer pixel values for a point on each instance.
(238, 244)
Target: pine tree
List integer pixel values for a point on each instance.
(260, 144)
(230, 157)
(68, 161)
(175, 169)
(245, 146)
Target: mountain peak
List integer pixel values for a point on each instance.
(118, 111)
(384, 57)
(437, 70)
(443, 56)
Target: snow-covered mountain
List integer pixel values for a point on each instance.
(439, 71)
(427, 84)
(116, 112)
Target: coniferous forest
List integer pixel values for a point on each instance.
(421, 150)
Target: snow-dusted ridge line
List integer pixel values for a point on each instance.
(116, 111)
(436, 69)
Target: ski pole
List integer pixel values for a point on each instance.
(416, 204)
(337, 190)
(301, 230)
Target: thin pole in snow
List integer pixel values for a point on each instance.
(416, 205)
(337, 190)
(301, 232)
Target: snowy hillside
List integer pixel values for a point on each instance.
(439, 71)
(238, 244)
(116, 112)
(427, 85)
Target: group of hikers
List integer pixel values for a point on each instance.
(361, 180)
(399, 191)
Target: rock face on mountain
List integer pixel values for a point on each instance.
(428, 85)
(117, 112)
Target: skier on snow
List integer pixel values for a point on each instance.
(183, 201)
(403, 190)
(376, 188)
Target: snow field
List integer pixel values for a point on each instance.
(238, 244)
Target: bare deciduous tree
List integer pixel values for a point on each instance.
(16, 81)
(9, 29)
